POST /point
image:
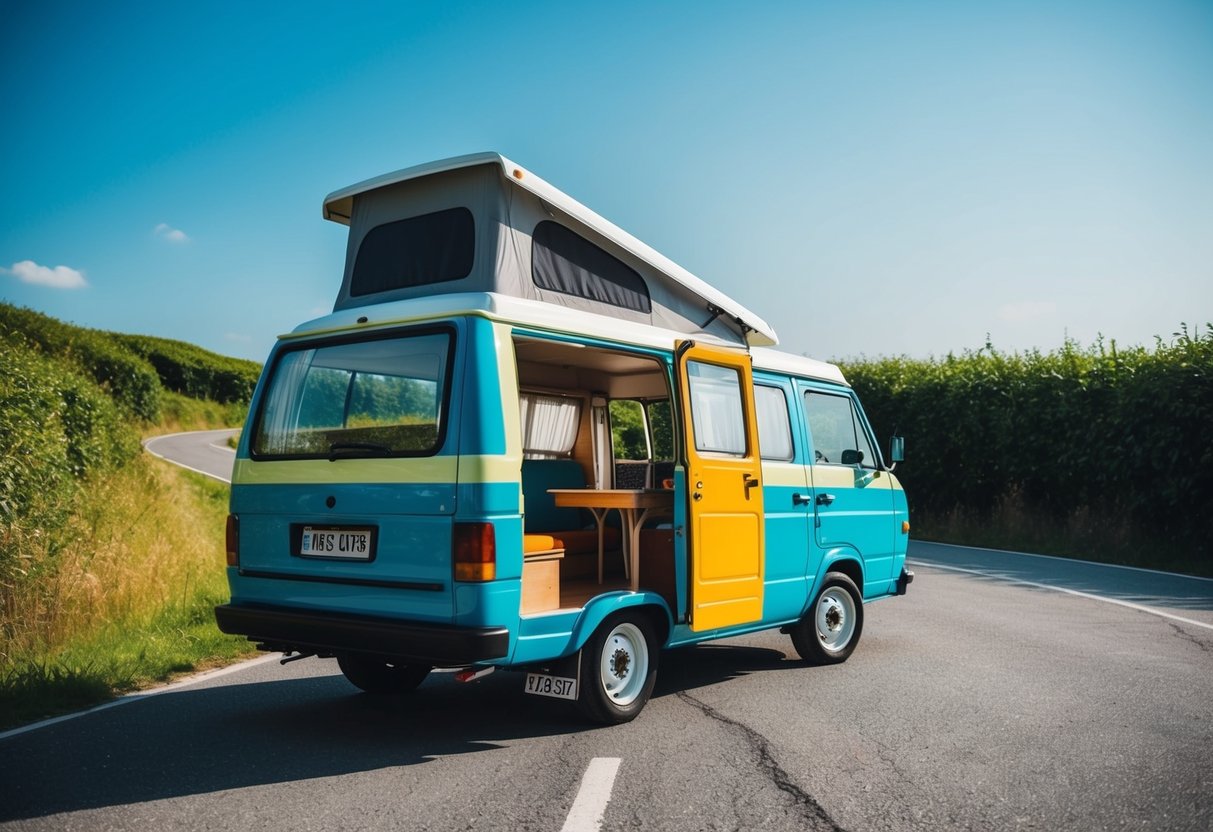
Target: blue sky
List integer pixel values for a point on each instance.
(871, 178)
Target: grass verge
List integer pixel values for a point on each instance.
(1083, 534)
(121, 601)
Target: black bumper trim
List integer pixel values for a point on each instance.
(329, 579)
(308, 631)
(907, 578)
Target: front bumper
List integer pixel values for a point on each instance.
(292, 630)
(907, 578)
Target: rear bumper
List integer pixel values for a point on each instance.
(308, 631)
(907, 578)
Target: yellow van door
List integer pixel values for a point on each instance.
(724, 481)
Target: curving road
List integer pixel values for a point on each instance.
(1004, 692)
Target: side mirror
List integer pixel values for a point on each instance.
(897, 449)
(850, 457)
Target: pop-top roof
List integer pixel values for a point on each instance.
(339, 206)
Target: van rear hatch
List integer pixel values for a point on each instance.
(346, 493)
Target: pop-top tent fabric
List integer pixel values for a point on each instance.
(481, 223)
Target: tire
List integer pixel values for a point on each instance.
(380, 676)
(830, 630)
(618, 669)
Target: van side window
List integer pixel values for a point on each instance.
(716, 408)
(549, 425)
(628, 435)
(662, 427)
(838, 435)
(774, 427)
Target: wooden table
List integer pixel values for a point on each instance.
(634, 507)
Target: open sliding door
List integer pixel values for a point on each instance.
(724, 483)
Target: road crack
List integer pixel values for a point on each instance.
(760, 746)
(1186, 636)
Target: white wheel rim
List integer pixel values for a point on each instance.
(835, 618)
(624, 664)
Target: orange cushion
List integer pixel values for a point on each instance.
(539, 543)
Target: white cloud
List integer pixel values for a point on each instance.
(60, 277)
(174, 235)
(1027, 310)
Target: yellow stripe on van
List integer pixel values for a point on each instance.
(784, 473)
(442, 469)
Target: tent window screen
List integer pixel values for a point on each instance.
(570, 264)
(432, 248)
(716, 412)
(549, 425)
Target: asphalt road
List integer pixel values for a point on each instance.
(984, 699)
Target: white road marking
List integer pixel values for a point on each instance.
(593, 796)
(1088, 595)
(144, 694)
(147, 446)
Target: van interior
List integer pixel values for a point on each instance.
(591, 418)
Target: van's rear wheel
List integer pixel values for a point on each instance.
(379, 676)
(618, 669)
(830, 629)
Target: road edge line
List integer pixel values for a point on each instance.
(135, 696)
(1088, 595)
(1061, 558)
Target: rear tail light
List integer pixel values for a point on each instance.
(474, 550)
(233, 540)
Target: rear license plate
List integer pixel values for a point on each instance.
(337, 542)
(559, 687)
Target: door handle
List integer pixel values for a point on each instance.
(750, 482)
(824, 499)
(801, 499)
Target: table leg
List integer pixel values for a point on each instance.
(637, 523)
(599, 517)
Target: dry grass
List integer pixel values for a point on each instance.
(122, 596)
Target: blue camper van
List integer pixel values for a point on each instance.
(429, 475)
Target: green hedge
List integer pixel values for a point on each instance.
(127, 377)
(1111, 430)
(134, 369)
(56, 428)
(195, 372)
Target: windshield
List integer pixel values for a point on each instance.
(380, 397)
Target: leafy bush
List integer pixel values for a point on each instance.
(127, 377)
(193, 371)
(56, 427)
(1103, 429)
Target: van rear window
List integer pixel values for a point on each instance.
(417, 251)
(380, 397)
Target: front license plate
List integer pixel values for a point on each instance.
(351, 544)
(559, 687)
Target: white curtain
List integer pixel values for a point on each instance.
(549, 425)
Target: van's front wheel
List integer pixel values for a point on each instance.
(830, 629)
(379, 676)
(618, 669)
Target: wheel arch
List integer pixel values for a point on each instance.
(649, 604)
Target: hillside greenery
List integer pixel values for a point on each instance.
(100, 548)
(1100, 452)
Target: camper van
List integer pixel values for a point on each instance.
(434, 475)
